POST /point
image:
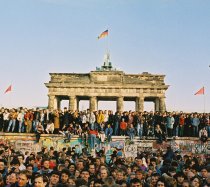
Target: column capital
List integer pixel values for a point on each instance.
(93, 97)
(51, 95)
(72, 96)
(141, 97)
(162, 97)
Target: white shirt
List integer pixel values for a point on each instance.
(6, 116)
(20, 116)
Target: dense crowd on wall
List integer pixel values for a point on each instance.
(72, 168)
(105, 124)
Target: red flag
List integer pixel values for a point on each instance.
(200, 92)
(9, 89)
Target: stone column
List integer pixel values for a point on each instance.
(162, 104)
(72, 103)
(58, 102)
(140, 104)
(93, 103)
(51, 102)
(120, 106)
(77, 103)
(157, 104)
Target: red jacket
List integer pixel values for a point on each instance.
(29, 116)
(93, 132)
(181, 121)
(123, 125)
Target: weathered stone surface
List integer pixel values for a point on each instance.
(111, 85)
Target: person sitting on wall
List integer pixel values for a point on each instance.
(84, 135)
(77, 129)
(203, 135)
(101, 132)
(50, 127)
(67, 132)
(39, 130)
(93, 133)
(109, 132)
(159, 134)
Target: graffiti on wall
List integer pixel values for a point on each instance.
(27, 143)
(59, 143)
(145, 147)
(29, 146)
(185, 146)
(131, 150)
(109, 148)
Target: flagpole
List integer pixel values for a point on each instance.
(106, 56)
(107, 43)
(202, 92)
(10, 97)
(204, 102)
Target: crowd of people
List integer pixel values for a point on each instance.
(68, 168)
(105, 124)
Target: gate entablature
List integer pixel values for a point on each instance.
(113, 85)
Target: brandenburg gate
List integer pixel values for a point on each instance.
(106, 84)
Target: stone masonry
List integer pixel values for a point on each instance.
(107, 86)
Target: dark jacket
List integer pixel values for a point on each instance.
(16, 185)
